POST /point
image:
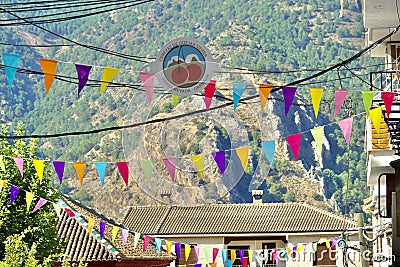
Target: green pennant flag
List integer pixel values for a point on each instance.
(147, 166)
(318, 134)
(367, 97)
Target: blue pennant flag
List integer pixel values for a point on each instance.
(238, 90)
(11, 62)
(101, 170)
(269, 149)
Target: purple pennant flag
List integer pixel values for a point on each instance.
(241, 254)
(178, 249)
(83, 75)
(288, 96)
(294, 253)
(39, 204)
(197, 265)
(59, 167)
(219, 158)
(13, 193)
(102, 228)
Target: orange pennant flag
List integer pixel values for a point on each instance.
(264, 91)
(243, 154)
(49, 68)
(80, 170)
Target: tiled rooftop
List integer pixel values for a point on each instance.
(234, 218)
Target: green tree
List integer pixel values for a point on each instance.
(15, 219)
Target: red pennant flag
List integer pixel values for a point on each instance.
(388, 100)
(294, 144)
(209, 92)
(124, 171)
(245, 261)
(148, 82)
(69, 212)
(215, 253)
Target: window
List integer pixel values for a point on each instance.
(268, 248)
(237, 261)
(324, 256)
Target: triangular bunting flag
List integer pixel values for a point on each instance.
(245, 262)
(238, 90)
(136, 239)
(57, 209)
(146, 241)
(275, 256)
(148, 83)
(90, 225)
(388, 101)
(229, 263)
(376, 117)
(175, 100)
(158, 242)
(170, 163)
(316, 96)
(28, 198)
(243, 155)
(59, 168)
(346, 126)
(241, 255)
(101, 168)
(49, 68)
(259, 260)
(223, 255)
(39, 167)
(80, 170)
(168, 244)
(114, 233)
(209, 92)
(197, 252)
(123, 170)
(178, 250)
(264, 90)
(340, 97)
(2, 184)
(300, 248)
(250, 256)
(269, 150)
(20, 165)
(367, 97)
(288, 96)
(11, 63)
(83, 76)
(197, 265)
(318, 134)
(198, 161)
(39, 204)
(233, 255)
(206, 249)
(215, 253)
(187, 251)
(335, 241)
(219, 158)
(147, 167)
(125, 234)
(294, 144)
(2, 166)
(106, 78)
(102, 226)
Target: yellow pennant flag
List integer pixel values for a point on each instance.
(2, 166)
(39, 167)
(233, 255)
(114, 232)
(328, 243)
(264, 91)
(243, 154)
(80, 170)
(28, 198)
(316, 96)
(250, 256)
(2, 183)
(49, 68)
(168, 244)
(90, 225)
(106, 78)
(376, 118)
(198, 161)
(301, 248)
(187, 251)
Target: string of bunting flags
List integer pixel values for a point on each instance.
(174, 248)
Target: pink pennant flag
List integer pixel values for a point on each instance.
(125, 234)
(197, 251)
(340, 97)
(346, 126)
(39, 204)
(215, 253)
(148, 82)
(146, 241)
(83, 75)
(388, 100)
(288, 96)
(294, 144)
(20, 164)
(209, 92)
(170, 163)
(124, 171)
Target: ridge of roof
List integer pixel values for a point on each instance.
(331, 214)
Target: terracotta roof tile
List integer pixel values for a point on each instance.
(234, 218)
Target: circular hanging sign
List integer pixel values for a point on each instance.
(184, 66)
